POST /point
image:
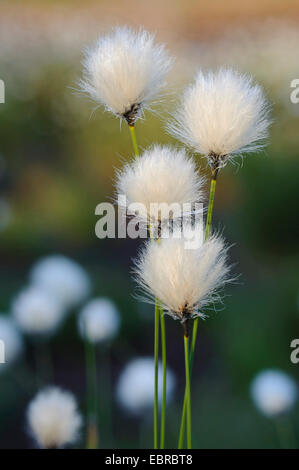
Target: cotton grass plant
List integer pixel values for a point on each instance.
(53, 418)
(62, 278)
(98, 324)
(124, 71)
(12, 339)
(222, 115)
(274, 394)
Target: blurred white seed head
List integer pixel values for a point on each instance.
(162, 175)
(62, 278)
(36, 312)
(184, 280)
(222, 114)
(12, 340)
(273, 392)
(135, 387)
(124, 71)
(53, 418)
(99, 320)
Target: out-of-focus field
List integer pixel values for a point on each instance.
(57, 162)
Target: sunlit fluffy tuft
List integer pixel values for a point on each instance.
(99, 320)
(162, 174)
(64, 279)
(124, 71)
(12, 341)
(185, 280)
(135, 387)
(273, 392)
(222, 113)
(53, 418)
(36, 312)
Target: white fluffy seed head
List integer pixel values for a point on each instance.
(12, 341)
(273, 392)
(135, 387)
(222, 114)
(124, 71)
(161, 175)
(99, 320)
(36, 312)
(62, 278)
(53, 418)
(184, 280)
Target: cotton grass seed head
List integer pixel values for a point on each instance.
(12, 341)
(124, 71)
(36, 312)
(273, 392)
(64, 279)
(135, 387)
(184, 280)
(162, 177)
(99, 320)
(53, 418)
(222, 114)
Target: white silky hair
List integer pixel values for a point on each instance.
(135, 386)
(53, 418)
(63, 278)
(36, 312)
(182, 278)
(273, 392)
(223, 113)
(161, 175)
(99, 320)
(125, 68)
(12, 340)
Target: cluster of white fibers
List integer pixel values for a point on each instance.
(124, 71)
(99, 320)
(53, 418)
(161, 175)
(221, 114)
(185, 280)
(273, 392)
(36, 311)
(64, 279)
(135, 387)
(12, 341)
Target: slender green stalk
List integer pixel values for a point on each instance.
(163, 409)
(156, 354)
(105, 411)
(134, 140)
(188, 392)
(285, 432)
(92, 396)
(43, 361)
(191, 359)
(195, 323)
(156, 339)
(211, 205)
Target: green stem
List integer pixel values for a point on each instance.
(156, 353)
(92, 396)
(188, 392)
(191, 359)
(105, 410)
(285, 432)
(44, 366)
(195, 323)
(211, 205)
(134, 140)
(163, 409)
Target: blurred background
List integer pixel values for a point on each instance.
(57, 162)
